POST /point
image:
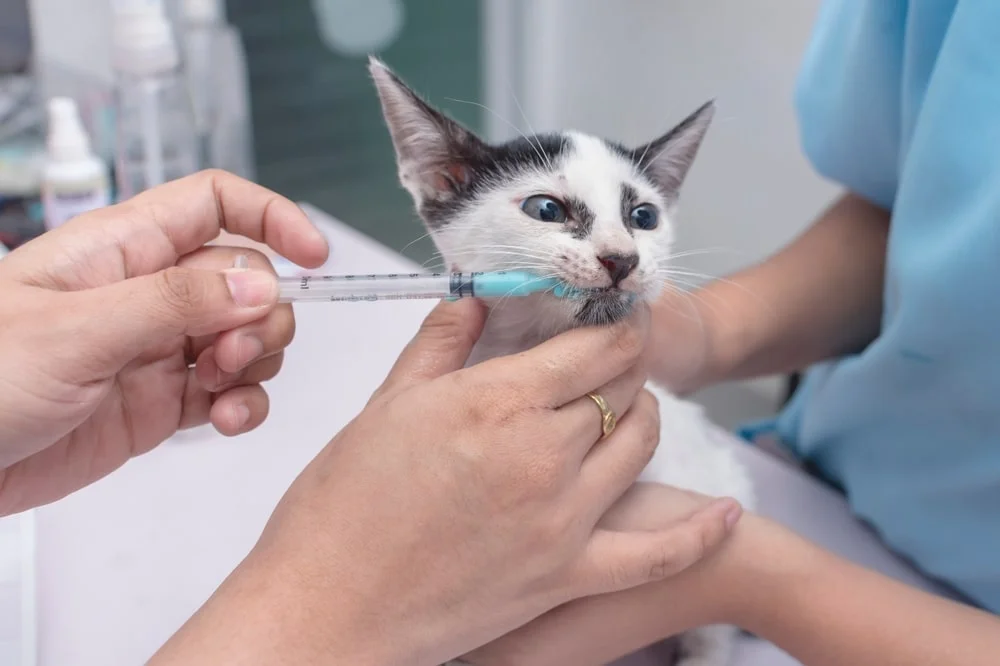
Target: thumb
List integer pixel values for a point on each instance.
(621, 560)
(123, 319)
(442, 345)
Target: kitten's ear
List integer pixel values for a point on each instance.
(667, 160)
(434, 153)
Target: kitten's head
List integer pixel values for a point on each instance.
(590, 212)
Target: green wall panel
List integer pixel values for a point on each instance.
(318, 131)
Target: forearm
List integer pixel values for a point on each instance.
(819, 298)
(825, 611)
(600, 630)
(262, 614)
(820, 609)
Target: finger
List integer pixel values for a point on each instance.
(192, 211)
(278, 326)
(221, 257)
(213, 378)
(615, 561)
(569, 365)
(197, 402)
(614, 464)
(584, 415)
(121, 320)
(196, 405)
(239, 410)
(442, 344)
(168, 222)
(644, 506)
(236, 350)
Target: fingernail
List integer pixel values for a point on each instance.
(252, 289)
(248, 348)
(733, 515)
(241, 414)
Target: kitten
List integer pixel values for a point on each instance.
(588, 211)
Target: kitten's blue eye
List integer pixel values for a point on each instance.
(544, 209)
(644, 217)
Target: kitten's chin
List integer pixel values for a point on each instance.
(605, 308)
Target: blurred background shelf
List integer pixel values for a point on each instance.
(627, 70)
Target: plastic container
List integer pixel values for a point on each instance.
(74, 180)
(155, 138)
(215, 67)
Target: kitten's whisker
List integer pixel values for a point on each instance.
(497, 262)
(643, 156)
(526, 248)
(506, 248)
(424, 265)
(514, 127)
(520, 109)
(512, 249)
(693, 314)
(707, 250)
(684, 271)
(414, 242)
(672, 274)
(498, 252)
(717, 306)
(503, 299)
(655, 157)
(491, 112)
(535, 259)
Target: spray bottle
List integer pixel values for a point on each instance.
(155, 139)
(215, 65)
(74, 180)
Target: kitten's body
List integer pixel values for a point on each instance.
(580, 209)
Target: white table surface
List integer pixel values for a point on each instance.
(123, 563)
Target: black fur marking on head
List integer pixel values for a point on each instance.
(492, 165)
(630, 199)
(445, 165)
(582, 218)
(665, 161)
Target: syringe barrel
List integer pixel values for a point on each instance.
(396, 286)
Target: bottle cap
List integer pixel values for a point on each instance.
(67, 139)
(203, 11)
(143, 39)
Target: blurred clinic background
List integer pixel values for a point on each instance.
(293, 73)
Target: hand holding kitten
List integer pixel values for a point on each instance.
(459, 505)
(600, 629)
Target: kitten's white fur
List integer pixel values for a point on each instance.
(492, 233)
(690, 454)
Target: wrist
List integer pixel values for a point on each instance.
(264, 613)
(759, 573)
(711, 329)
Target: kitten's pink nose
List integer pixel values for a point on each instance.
(619, 265)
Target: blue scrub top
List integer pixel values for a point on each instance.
(899, 101)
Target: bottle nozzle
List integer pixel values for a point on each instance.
(203, 11)
(142, 38)
(67, 139)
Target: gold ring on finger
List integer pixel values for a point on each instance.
(608, 418)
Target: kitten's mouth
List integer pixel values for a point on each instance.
(605, 305)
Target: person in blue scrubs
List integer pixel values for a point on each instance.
(891, 298)
(900, 103)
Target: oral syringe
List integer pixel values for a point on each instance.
(406, 286)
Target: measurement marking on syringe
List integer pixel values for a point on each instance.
(358, 287)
